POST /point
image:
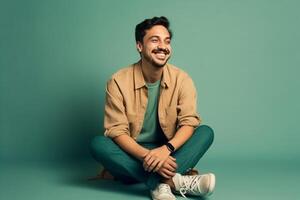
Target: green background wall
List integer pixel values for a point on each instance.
(56, 56)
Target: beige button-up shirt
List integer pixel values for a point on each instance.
(126, 102)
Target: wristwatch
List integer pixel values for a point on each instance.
(170, 147)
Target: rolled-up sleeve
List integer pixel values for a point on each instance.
(187, 104)
(115, 119)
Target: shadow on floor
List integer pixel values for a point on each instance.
(110, 186)
(78, 175)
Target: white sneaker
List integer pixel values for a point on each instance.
(162, 192)
(198, 185)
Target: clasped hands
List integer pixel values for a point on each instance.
(159, 160)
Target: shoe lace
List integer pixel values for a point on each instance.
(190, 184)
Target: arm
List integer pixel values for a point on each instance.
(182, 135)
(116, 122)
(187, 116)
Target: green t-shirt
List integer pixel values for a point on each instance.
(151, 131)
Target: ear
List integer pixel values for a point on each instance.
(139, 47)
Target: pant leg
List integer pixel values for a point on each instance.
(120, 164)
(190, 153)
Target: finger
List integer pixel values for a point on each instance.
(167, 165)
(173, 164)
(165, 175)
(168, 172)
(148, 163)
(144, 165)
(153, 165)
(158, 166)
(172, 158)
(170, 167)
(151, 162)
(148, 156)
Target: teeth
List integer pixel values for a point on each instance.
(160, 55)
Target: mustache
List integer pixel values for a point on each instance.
(159, 50)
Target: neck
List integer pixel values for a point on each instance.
(150, 72)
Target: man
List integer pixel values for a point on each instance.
(151, 122)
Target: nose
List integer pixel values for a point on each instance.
(162, 45)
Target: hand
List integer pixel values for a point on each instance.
(155, 158)
(168, 168)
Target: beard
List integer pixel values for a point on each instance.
(155, 63)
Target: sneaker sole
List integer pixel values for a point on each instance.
(212, 184)
(164, 198)
(153, 198)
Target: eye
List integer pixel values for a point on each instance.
(168, 41)
(154, 40)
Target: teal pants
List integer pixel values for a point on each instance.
(127, 168)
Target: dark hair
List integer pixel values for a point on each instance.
(140, 29)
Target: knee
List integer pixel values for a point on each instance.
(206, 132)
(97, 146)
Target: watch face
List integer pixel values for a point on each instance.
(170, 147)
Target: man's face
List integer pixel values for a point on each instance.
(156, 46)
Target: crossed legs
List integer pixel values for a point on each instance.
(125, 167)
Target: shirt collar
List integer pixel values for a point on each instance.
(139, 80)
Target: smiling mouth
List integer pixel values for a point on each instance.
(161, 51)
(160, 55)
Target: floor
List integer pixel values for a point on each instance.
(246, 180)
